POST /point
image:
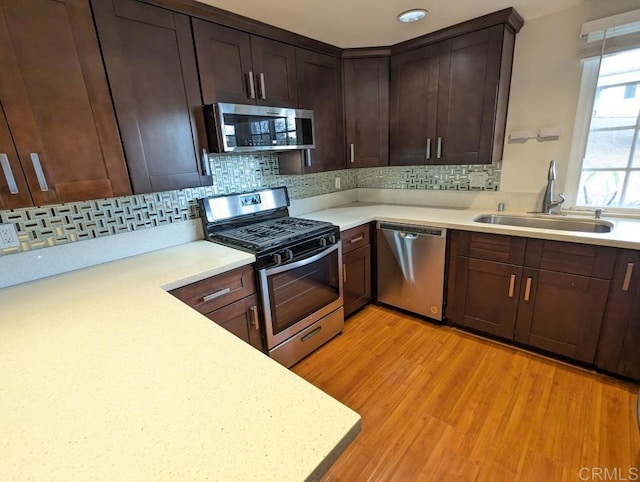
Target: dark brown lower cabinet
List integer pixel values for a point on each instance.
(561, 313)
(228, 299)
(486, 296)
(356, 274)
(619, 347)
(559, 310)
(241, 318)
(356, 267)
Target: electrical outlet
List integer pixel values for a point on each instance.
(337, 183)
(8, 236)
(477, 180)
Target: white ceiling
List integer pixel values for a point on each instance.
(368, 23)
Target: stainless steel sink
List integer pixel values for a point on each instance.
(548, 222)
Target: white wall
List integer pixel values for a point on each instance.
(544, 91)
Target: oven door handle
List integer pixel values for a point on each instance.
(302, 262)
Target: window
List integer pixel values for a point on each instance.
(606, 147)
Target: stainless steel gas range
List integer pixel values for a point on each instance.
(298, 267)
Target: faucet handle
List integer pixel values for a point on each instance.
(562, 198)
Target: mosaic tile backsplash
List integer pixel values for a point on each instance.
(42, 227)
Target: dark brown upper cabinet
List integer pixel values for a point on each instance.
(366, 100)
(449, 93)
(240, 68)
(58, 135)
(151, 66)
(319, 90)
(413, 106)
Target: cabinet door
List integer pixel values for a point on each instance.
(356, 277)
(561, 313)
(320, 89)
(151, 66)
(241, 319)
(274, 66)
(14, 192)
(475, 72)
(485, 296)
(618, 350)
(224, 64)
(413, 109)
(366, 100)
(57, 103)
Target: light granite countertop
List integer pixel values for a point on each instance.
(106, 376)
(625, 234)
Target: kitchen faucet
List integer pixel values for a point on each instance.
(549, 205)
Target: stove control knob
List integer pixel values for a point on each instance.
(332, 238)
(288, 255)
(277, 258)
(323, 242)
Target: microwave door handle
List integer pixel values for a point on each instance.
(302, 262)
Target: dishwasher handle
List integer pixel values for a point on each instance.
(409, 231)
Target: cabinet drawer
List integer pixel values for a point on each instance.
(490, 247)
(218, 291)
(355, 238)
(571, 258)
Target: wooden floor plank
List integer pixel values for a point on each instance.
(440, 404)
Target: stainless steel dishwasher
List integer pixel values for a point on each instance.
(411, 267)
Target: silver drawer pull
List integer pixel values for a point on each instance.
(309, 335)
(439, 148)
(344, 273)
(355, 240)
(215, 295)
(512, 285)
(428, 156)
(256, 320)
(8, 174)
(307, 157)
(42, 181)
(353, 153)
(627, 277)
(252, 86)
(527, 290)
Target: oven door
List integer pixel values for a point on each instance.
(298, 294)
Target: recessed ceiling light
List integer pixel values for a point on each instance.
(412, 15)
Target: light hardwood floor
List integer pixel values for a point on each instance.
(439, 404)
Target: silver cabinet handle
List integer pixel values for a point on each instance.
(428, 153)
(353, 153)
(512, 285)
(8, 173)
(252, 87)
(527, 290)
(263, 87)
(206, 165)
(307, 157)
(439, 148)
(310, 334)
(215, 295)
(256, 320)
(42, 181)
(356, 239)
(344, 273)
(627, 277)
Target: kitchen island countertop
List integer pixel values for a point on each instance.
(106, 376)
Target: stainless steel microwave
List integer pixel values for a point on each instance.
(251, 128)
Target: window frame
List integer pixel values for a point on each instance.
(582, 124)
